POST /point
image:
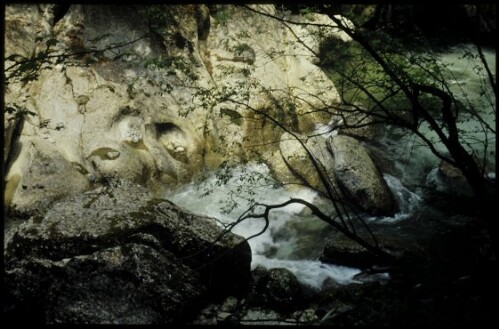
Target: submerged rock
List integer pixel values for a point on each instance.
(119, 256)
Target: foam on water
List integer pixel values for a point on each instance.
(328, 130)
(310, 272)
(258, 189)
(408, 201)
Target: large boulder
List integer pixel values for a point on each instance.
(447, 178)
(295, 165)
(117, 255)
(359, 177)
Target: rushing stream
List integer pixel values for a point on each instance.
(412, 159)
(295, 239)
(252, 183)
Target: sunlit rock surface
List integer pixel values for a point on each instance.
(173, 90)
(295, 164)
(359, 177)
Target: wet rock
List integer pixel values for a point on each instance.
(254, 298)
(280, 289)
(341, 250)
(337, 311)
(120, 256)
(257, 273)
(369, 304)
(129, 284)
(449, 179)
(359, 177)
(208, 315)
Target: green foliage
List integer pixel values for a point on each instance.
(223, 15)
(410, 87)
(169, 63)
(306, 12)
(157, 17)
(25, 69)
(362, 80)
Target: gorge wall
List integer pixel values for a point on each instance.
(153, 94)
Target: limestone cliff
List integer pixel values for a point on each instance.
(150, 94)
(156, 94)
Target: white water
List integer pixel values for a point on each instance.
(328, 130)
(279, 245)
(309, 272)
(407, 201)
(252, 183)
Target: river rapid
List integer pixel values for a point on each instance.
(295, 239)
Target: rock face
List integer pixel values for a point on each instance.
(359, 177)
(171, 90)
(116, 255)
(345, 164)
